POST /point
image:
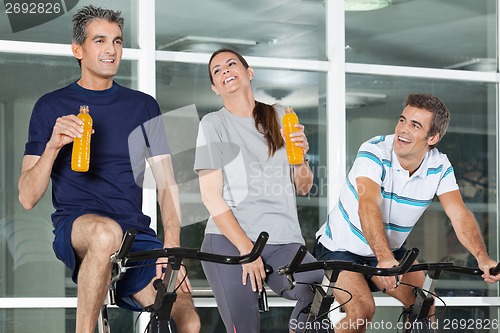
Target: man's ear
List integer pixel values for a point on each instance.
(77, 51)
(214, 89)
(433, 140)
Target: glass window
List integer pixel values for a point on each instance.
(470, 144)
(448, 34)
(283, 29)
(437, 34)
(53, 23)
(29, 267)
(26, 245)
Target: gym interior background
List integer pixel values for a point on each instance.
(344, 66)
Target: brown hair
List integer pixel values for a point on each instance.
(266, 118)
(441, 115)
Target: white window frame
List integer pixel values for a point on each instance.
(335, 68)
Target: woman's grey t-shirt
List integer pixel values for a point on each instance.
(259, 190)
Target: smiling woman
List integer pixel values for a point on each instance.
(269, 203)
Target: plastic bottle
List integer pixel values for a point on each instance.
(295, 154)
(80, 157)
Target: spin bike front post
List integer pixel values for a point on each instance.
(419, 312)
(161, 320)
(323, 297)
(117, 272)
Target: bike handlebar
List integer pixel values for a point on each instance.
(405, 266)
(295, 263)
(188, 253)
(296, 267)
(450, 267)
(126, 245)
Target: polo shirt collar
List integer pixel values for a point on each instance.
(421, 171)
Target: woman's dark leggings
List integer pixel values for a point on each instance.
(238, 303)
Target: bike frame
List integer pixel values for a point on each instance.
(420, 310)
(323, 298)
(165, 297)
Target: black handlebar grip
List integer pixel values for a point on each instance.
(495, 270)
(258, 246)
(126, 245)
(297, 260)
(408, 260)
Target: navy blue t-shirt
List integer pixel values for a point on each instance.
(128, 129)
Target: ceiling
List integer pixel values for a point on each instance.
(454, 34)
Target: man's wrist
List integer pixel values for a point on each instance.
(51, 150)
(482, 257)
(385, 256)
(169, 244)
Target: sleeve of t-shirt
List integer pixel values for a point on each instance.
(368, 163)
(154, 131)
(209, 147)
(39, 130)
(448, 181)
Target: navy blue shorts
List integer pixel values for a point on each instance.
(134, 280)
(322, 253)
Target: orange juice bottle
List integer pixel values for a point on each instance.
(80, 157)
(295, 154)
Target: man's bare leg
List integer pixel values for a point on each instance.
(360, 309)
(405, 293)
(94, 239)
(184, 313)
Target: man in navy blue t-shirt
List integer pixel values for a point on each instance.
(92, 209)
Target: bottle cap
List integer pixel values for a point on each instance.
(84, 109)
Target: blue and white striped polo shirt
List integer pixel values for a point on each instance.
(404, 198)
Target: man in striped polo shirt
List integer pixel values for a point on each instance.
(392, 181)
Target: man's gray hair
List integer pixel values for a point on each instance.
(90, 13)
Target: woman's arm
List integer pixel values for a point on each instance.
(302, 173)
(211, 184)
(303, 178)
